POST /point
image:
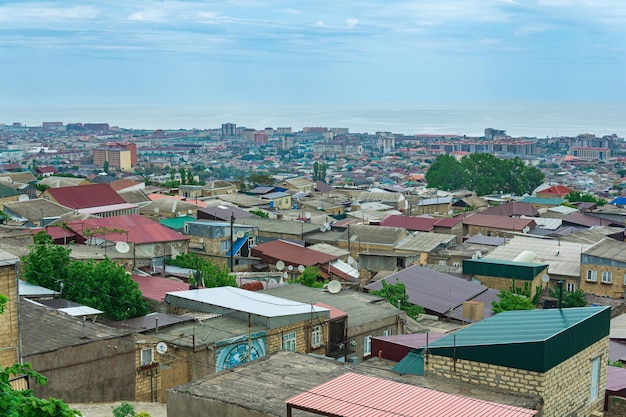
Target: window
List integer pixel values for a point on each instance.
(442, 262)
(592, 275)
(607, 277)
(147, 356)
(457, 264)
(595, 378)
(225, 245)
(367, 345)
(316, 336)
(570, 286)
(289, 342)
(387, 332)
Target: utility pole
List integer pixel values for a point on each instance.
(232, 249)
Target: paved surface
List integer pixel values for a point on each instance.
(106, 409)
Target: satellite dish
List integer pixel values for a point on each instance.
(450, 212)
(545, 278)
(273, 281)
(526, 229)
(285, 274)
(23, 197)
(161, 347)
(300, 268)
(122, 247)
(327, 226)
(307, 215)
(201, 240)
(280, 265)
(150, 250)
(189, 211)
(322, 229)
(156, 209)
(290, 267)
(240, 234)
(334, 287)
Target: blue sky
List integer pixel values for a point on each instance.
(202, 63)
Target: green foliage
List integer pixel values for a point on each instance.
(525, 291)
(510, 301)
(260, 213)
(397, 292)
(261, 178)
(144, 413)
(576, 298)
(211, 274)
(105, 167)
(103, 285)
(319, 172)
(22, 403)
(3, 303)
(484, 174)
(124, 410)
(577, 196)
(310, 277)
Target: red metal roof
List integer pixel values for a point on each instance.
(86, 196)
(335, 313)
(290, 254)
(359, 395)
(448, 221)
(155, 288)
(140, 229)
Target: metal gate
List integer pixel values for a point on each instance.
(173, 374)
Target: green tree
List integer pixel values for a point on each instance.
(319, 172)
(395, 293)
(260, 213)
(3, 303)
(103, 285)
(310, 277)
(576, 298)
(22, 403)
(577, 196)
(105, 167)
(510, 301)
(210, 274)
(445, 173)
(261, 178)
(183, 175)
(190, 179)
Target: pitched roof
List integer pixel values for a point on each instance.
(423, 224)
(448, 221)
(290, 254)
(155, 288)
(512, 209)
(582, 219)
(222, 212)
(140, 229)
(499, 222)
(123, 183)
(86, 196)
(353, 394)
(364, 234)
(556, 190)
(435, 291)
(608, 248)
(35, 209)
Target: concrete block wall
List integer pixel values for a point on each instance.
(565, 389)
(615, 289)
(274, 337)
(9, 328)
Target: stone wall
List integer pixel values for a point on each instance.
(615, 289)
(616, 406)
(565, 389)
(9, 328)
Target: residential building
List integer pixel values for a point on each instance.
(10, 338)
(503, 275)
(603, 268)
(94, 199)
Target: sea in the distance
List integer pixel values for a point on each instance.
(519, 119)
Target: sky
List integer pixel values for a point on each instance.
(420, 66)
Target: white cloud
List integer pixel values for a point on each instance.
(351, 22)
(320, 24)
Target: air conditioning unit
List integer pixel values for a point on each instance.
(354, 359)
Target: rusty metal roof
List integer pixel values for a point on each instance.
(365, 396)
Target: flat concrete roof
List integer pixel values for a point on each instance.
(265, 384)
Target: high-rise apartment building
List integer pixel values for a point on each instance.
(229, 129)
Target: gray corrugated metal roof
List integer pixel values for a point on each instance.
(435, 291)
(7, 258)
(279, 226)
(374, 234)
(608, 249)
(425, 242)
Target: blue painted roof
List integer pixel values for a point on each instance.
(238, 245)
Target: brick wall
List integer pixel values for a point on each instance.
(615, 289)
(148, 380)
(565, 389)
(9, 331)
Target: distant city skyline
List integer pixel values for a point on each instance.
(533, 68)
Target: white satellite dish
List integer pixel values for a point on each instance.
(301, 268)
(240, 234)
(526, 229)
(156, 209)
(334, 287)
(545, 278)
(290, 267)
(161, 347)
(280, 265)
(307, 215)
(189, 211)
(322, 229)
(285, 274)
(327, 226)
(122, 247)
(23, 197)
(273, 281)
(201, 240)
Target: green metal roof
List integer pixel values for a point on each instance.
(535, 340)
(542, 201)
(503, 269)
(177, 223)
(412, 363)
